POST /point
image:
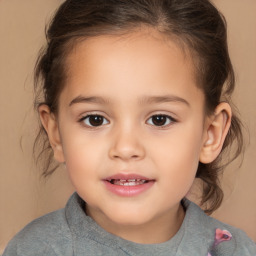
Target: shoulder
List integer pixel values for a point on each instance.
(41, 235)
(222, 239)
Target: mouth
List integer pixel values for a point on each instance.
(127, 185)
(128, 182)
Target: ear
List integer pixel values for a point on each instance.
(50, 125)
(215, 133)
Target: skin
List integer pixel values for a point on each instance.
(126, 74)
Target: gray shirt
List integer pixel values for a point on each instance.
(70, 232)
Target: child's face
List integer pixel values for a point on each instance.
(147, 121)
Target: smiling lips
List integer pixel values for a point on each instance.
(128, 185)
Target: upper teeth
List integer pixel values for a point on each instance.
(129, 182)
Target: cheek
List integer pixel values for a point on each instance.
(83, 154)
(178, 156)
(84, 167)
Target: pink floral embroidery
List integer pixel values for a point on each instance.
(221, 236)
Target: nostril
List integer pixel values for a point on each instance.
(128, 157)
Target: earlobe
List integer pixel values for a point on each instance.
(50, 125)
(216, 131)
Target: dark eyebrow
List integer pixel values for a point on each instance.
(163, 99)
(82, 99)
(143, 100)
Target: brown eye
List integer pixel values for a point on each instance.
(95, 120)
(160, 120)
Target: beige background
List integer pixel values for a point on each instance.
(23, 195)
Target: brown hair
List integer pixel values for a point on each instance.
(197, 25)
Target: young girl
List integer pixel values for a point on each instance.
(135, 103)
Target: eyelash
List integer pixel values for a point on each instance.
(83, 119)
(167, 118)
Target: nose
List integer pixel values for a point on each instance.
(127, 144)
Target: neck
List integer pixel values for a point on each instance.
(159, 230)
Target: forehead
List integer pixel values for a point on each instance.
(138, 62)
